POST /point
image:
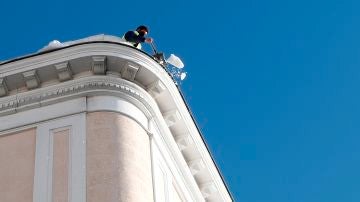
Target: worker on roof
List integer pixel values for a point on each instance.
(138, 36)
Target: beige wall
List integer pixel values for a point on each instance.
(118, 159)
(60, 166)
(17, 157)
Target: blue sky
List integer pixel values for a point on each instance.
(274, 85)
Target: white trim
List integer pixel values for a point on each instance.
(42, 114)
(44, 158)
(96, 87)
(111, 103)
(52, 132)
(149, 72)
(166, 156)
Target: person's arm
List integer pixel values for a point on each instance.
(132, 37)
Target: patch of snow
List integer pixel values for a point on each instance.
(175, 61)
(54, 44)
(182, 76)
(177, 74)
(175, 65)
(175, 68)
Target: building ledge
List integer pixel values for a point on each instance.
(106, 64)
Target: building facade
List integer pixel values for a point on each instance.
(98, 120)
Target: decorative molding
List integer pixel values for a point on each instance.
(72, 89)
(156, 88)
(93, 85)
(44, 158)
(163, 161)
(97, 85)
(171, 117)
(184, 141)
(17, 119)
(129, 71)
(111, 103)
(196, 166)
(99, 65)
(208, 189)
(64, 71)
(113, 74)
(31, 79)
(3, 87)
(8, 105)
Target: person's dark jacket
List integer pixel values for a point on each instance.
(134, 37)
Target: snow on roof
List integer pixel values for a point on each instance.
(55, 44)
(175, 69)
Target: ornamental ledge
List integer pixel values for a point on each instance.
(69, 90)
(165, 96)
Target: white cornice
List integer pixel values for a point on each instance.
(141, 78)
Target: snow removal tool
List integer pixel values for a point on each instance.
(159, 57)
(172, 60)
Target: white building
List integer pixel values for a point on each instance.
(97, 120)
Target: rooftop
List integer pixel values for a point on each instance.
(76, 69)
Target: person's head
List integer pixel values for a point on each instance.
(143, 30)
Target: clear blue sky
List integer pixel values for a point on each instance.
(274, 85)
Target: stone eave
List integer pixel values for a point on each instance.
(23, 82)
